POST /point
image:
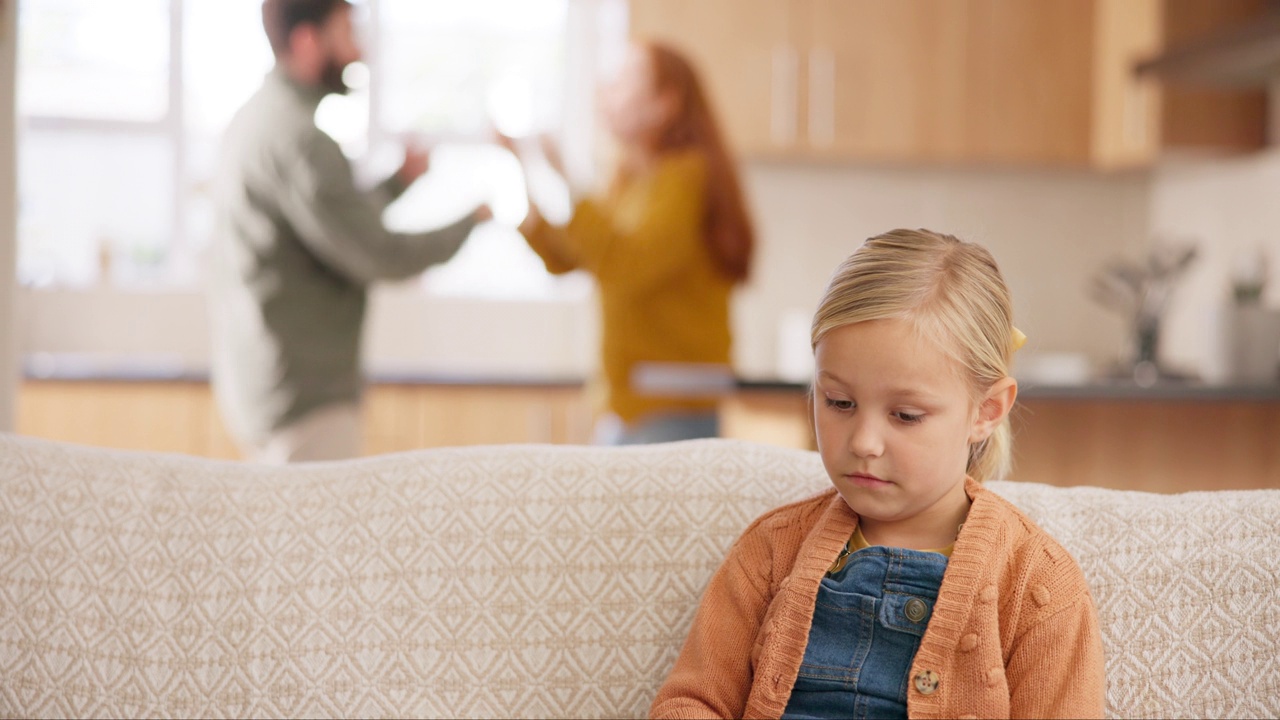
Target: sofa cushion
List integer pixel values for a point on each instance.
(516, 581)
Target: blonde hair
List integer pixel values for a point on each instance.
(953, 293)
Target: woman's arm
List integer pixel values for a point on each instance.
(668, 237)
(550, 242)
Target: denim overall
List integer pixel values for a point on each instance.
(867, 626)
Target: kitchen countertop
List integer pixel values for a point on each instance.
(159, 370)
(72, 368)
(1098, 390)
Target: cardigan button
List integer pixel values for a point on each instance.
(927, 682)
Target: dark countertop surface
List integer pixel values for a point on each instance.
(1098, 390)
(72, 368)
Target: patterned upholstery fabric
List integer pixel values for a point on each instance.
(518, 581)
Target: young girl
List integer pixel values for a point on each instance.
(666, 244)
(908, 589)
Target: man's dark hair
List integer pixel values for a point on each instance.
(280, 17)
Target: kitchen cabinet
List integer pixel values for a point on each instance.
(1172, 441)
(182, 417)
(768, 416)
(1148, 445)
(1198, 440)
(1198, 116)
(160, 416)
(747, 59)
(401, 417)
(1009, 82)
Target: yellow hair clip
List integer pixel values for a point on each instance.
(1019, 339)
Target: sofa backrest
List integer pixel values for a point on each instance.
(517, 581)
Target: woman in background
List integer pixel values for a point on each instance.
(667, 242)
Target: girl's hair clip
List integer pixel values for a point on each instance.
(1019, 339)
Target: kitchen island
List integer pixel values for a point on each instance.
(1169, 438)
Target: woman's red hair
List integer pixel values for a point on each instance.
(728, 228)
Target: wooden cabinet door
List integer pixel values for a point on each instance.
(1047, 82)
(1126, 112)
(746, 56)
(1029, 82)
(885, 80)
(175, 417)
(1003, 82)
(410, 417)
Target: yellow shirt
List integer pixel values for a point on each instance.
(858, 542)
(662, 297)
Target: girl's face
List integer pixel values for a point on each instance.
(894, 420)
(633, 109)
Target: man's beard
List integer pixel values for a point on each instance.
(331, 77)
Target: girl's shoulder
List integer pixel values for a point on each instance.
(1034, 565)
(799, 514)
(772, 543)
(788, 524)
(994, 510)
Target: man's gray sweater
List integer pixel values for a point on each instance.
(296, 246)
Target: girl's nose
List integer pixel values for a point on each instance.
(866, 440)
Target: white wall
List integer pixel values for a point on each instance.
(1229, 207)
(8, 215)
(1049, 230)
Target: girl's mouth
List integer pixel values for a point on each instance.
(867, 480)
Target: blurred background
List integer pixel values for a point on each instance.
(1083, 141)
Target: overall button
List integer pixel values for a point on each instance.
(927, 681)
(915, 610)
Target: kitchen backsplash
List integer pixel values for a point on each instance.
(1229, 206)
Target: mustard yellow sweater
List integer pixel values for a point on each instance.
(662, 298)
(1014, 632)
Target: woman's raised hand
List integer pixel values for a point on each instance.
(551, 151)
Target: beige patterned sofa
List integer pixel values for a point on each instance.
(530, 581)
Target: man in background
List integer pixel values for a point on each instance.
(297, 246)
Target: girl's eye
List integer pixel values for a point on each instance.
(909, 418)
(840, 404)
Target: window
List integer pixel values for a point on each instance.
(122, 105)
(96, 160)
(76, 64)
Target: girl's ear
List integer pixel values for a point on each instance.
(993, 409)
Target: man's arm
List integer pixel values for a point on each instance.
(343, 226)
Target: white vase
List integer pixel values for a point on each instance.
(1251, 335)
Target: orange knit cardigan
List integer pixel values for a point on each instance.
(1014, 631)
